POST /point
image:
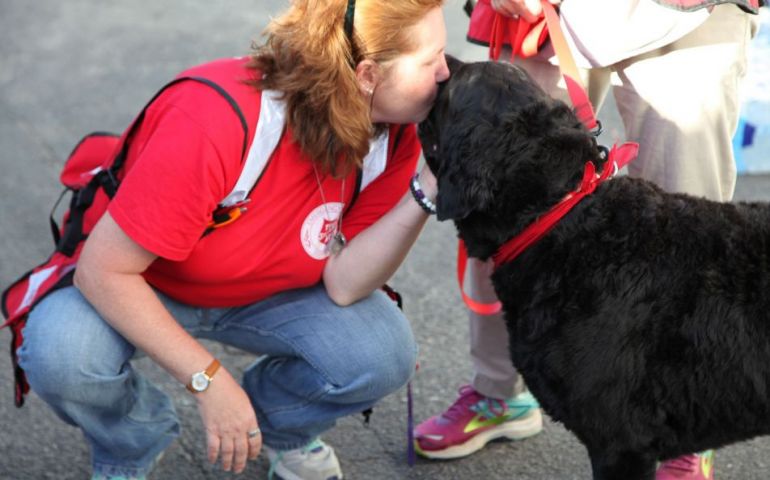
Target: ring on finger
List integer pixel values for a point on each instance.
(254, 433)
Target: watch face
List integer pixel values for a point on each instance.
(199, 382)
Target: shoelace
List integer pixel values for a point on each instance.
(310, 447)
(486, 407)
(468, 399)
(685, 463)
(273, 464)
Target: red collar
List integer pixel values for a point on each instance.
(617, 159)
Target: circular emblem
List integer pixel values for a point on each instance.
(318, 229)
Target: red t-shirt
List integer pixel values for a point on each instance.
(186, 157)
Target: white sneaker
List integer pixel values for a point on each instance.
(314, 461)
(101, 476)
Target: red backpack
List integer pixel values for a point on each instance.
(90, 174)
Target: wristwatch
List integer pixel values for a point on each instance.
(200, 381)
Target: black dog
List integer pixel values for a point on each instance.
(642, 320)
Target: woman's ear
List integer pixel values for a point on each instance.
(368, 75)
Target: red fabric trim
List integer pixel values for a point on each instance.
(487, 27)
(522, 37)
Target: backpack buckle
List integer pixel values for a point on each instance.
(108, 182)
(226, 215)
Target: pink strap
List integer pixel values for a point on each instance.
(569, 70)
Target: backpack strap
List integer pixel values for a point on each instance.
(359, 179)
(360, 173)
(399, 134)
(107, 179)
(121, 157)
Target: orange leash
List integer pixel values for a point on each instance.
(583, 108)
(480, 308)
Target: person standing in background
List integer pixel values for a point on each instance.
(674, 67)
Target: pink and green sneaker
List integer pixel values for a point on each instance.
(473, 421)
(699, 466)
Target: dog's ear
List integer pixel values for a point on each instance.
(466, 180)
(451, 204)
(464, 119)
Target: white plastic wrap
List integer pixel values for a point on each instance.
(752, 140)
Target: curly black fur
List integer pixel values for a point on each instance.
(642, 320)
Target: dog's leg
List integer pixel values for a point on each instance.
(623, 466)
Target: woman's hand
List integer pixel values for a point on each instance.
(228, 417)
(529, 10)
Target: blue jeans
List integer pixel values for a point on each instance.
(318, 362)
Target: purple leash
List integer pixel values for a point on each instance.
(410, 453)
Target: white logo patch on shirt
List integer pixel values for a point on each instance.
(318, 229)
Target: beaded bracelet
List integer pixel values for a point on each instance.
(422, 200)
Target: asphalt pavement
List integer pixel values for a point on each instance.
(69, 68)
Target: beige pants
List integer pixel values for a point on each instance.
(681, 104)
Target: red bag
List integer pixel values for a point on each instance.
(79, 174)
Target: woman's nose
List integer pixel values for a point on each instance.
(443, 71)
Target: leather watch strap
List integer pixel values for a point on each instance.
(209, 373)
(212, 368)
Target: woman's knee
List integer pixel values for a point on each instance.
(395, 370)
(385, 359)
(68, 350)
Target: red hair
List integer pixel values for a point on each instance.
(307, 56)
